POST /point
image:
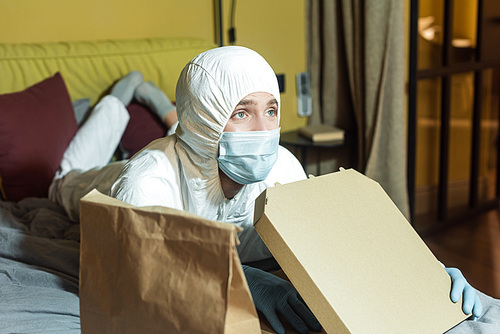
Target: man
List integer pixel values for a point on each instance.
(224, 153)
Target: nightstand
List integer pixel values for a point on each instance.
(295, 142)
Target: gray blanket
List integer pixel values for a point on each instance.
(39, 266)
(488, 323)
(39, 257)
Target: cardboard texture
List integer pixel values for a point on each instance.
(354, 258)
(159, 270)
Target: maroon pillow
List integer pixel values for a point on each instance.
(36, 126)
(143, 127)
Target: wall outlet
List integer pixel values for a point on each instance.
(304, 101)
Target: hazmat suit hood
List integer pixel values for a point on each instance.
(208, 90)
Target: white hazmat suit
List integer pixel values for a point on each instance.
(181, 171)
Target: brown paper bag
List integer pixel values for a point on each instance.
(159, 270)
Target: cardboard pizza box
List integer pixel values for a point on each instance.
(354, 258)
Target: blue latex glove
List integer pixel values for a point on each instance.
(272, 294)
(459, 287)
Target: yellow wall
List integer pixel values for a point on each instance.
(276, 29)
(73, 20)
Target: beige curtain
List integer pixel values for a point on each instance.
(356, 62)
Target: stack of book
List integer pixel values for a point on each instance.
(321, 133)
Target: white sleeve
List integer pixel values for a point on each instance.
(148, 179)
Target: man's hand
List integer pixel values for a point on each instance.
(460, 287)
(272, 294)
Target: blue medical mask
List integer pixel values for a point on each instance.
(248, 157)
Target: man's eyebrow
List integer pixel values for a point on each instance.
(246, 102)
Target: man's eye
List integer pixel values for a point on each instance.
(240, 114)
(271, 112)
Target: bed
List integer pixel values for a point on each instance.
(39, 244)
(44, 91)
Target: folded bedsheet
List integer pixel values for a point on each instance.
(39, 257)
